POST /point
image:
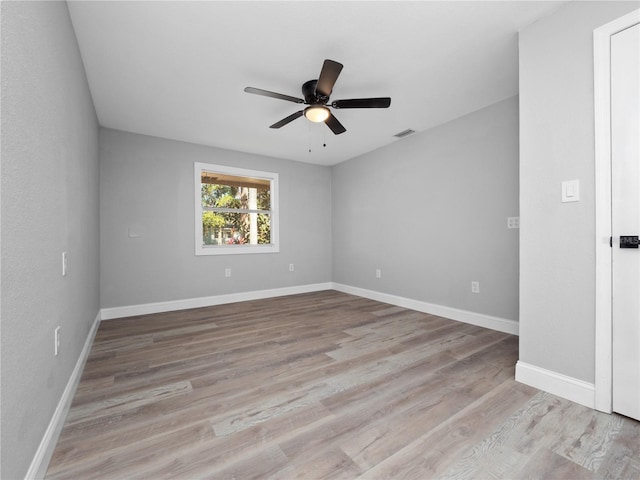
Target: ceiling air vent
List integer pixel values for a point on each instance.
(404, 133)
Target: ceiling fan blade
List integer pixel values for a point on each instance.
(267, 93)
(288, 119)
(382, 102)
(336, 127)
(328, 76)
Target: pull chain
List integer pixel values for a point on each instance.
(324, 137)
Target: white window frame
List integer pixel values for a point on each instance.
(273, 247)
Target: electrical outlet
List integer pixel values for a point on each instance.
(378, 273)
(291, 267)
(56, 341)
(227, 272)
(475, 287)
(513, 222)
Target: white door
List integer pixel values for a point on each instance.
(625, 216)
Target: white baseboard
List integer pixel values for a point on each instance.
(159, 307)
(561, 385)
(41, 459)
(479, 319)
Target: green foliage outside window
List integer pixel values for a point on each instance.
(234, 228)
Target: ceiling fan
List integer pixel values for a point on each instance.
(316, 94)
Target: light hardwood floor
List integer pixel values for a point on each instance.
(324, 385)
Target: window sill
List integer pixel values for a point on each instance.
(235, 249)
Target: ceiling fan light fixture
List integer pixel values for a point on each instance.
(316, 113)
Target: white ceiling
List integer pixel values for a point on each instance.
(177, 69)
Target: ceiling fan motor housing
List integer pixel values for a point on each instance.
(311, 97)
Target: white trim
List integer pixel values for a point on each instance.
(42, 457)
(557, 384)
(273, 247)
(602, 111)
(159, 307)
(479, 319)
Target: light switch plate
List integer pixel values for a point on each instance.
(571, 191)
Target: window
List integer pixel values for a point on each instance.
(236, 210)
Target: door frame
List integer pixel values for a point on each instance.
(602, 105)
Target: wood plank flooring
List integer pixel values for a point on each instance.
(324, 385)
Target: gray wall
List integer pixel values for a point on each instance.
(557, 241)
(147, 183)
(431, 212)
(50, 182)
